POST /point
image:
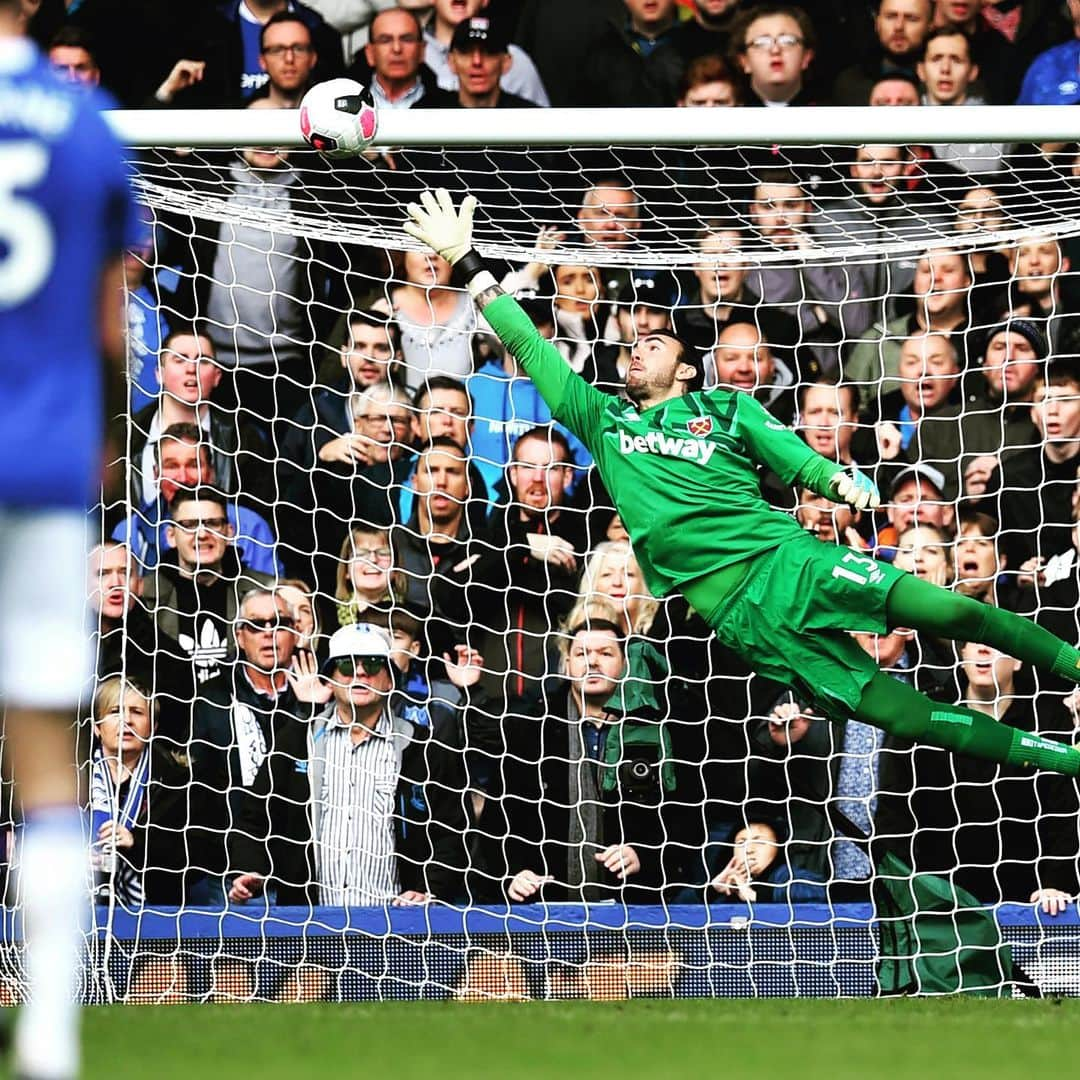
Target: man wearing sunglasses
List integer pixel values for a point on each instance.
(195, 590)
(250, 735)
(380, 800)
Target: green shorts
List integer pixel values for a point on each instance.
(789, 615)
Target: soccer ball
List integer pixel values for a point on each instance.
(338, 118)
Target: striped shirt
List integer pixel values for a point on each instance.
(355, 847)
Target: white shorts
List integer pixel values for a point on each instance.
(44, 642)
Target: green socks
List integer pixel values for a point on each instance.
(922, 606)
(902, 711)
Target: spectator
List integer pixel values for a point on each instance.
(444, 407)
(829, 522)
(435, 321)
(882, 211)
(901, 26)
(1002, 833)
(505, 404)
(1051, 78)
(367, 579)
(145, 319)
(979, 562)
(1000, 393)
(915, 496)
(436, 548)
(642, 306)
(479, 58)
(128, 641)
(610, 215)
(140, 802)
(828, 416)
(1014, 40)
(918, 422)
(394, 65)
(1031, 489)
(525, 582)
(287, 55)
(707, 31)
(196, 588)
(189, 375)
(743, 360)
(723, 296)
(709, 82)
(1038, 267)
(267, 297)
(184, 461)
(377, 816)
(758, 870)
(637, 60)
(222, 60)
(71, 55)
(612, 571)
(827, 301)
(521, 77)
(923, 550)
(250, 735)
(896, 89)
(807, 762)
(574, 829)
(298, 594)
(947, 69)
(980, 210)
(774, 44)
(942, 287)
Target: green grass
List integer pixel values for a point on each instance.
(928, 1039)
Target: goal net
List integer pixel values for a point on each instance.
(572, 790)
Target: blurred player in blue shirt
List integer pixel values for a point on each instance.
(1054, 76)
(66, 211)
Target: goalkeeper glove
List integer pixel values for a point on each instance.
(856, 488)
(448, 232)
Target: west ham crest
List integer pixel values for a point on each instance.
(700, 426)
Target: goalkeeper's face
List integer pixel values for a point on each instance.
(656, 371)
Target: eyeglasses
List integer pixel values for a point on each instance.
(373, 553)
(382, 40)
(281, 50)
(193, 524)
(371, 665)
(768, 42)
(282, 622)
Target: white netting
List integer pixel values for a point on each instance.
(835, 257)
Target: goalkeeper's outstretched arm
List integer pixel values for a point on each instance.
(448, 232)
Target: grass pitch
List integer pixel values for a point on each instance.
(803, 1039)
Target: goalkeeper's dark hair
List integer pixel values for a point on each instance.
(688, 354)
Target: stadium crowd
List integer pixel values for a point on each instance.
(368, 628)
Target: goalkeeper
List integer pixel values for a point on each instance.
(679, 464)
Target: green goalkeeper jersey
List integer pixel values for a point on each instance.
(682, 474)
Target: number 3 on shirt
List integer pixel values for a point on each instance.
(863, 561)
(26, 236)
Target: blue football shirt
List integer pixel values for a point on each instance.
(66, 208)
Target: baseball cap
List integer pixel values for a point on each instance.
(478, 33)
(650, 288)
(358, 639)
(1026, 328)
(918, 471)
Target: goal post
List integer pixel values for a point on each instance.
(800, 263)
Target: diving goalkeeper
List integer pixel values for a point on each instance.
(679, 464)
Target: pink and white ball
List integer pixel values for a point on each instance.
(338, 118)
